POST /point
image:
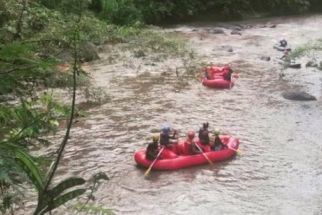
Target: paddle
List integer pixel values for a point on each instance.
(236, 150)
(210, 162)
(147, 172)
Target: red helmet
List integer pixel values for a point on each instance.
(191, 135)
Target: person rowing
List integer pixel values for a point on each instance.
(190, 147)
(152, 150)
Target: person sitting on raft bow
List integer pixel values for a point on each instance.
(204, 134)
(217, 145)
(227, 74)
(206, 73)
(165, 138)
(190, 147)
(152, 150)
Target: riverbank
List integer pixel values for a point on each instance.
(280, 165)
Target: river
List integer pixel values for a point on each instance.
(279, 170)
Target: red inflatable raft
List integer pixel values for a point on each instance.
(172, 159)
(218, 83)
(216, 79)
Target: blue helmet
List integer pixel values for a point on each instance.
(165, 129)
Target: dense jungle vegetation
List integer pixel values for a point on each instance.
(36, 37)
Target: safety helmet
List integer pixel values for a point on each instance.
(165, 130)
(216, 132)
(191, 135)
(155, 137)
(283, 43)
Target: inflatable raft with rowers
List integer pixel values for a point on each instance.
(173, 158)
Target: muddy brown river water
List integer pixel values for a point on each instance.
(280, 168)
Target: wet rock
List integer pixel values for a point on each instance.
(237, 28)
(248, 26)
(294, 65)
(88, 52)
(298, 96)
(216, 31)
(7, 97)
(65, 56)
(311, 64)
(265, 58)
(225, 48)
(273, 26)
(262, 26)
(139, 54)
(234, 32)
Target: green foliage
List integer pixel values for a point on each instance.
(60, 194)
(148, 39)
(24, 123)
(120, 11)
(30, 168)
(93, 209)
(311, 50)
(151, 11)
(66, 184)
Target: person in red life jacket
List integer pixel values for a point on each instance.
(165, 138)
(207, 74)
(190, 147)
(227, 73)
(217, 145)
(204, 134)
(152, 150)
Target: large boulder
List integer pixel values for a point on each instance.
(216, 31)
(88, 52)
(298, 96)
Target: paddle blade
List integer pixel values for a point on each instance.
(147, 172)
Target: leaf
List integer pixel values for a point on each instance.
(29, 166)
(100, 176)
(63, 199)
(65, 184)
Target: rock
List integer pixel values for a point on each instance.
(65, 56)
(273, 26)
(225, 48)
(194, 30)
(311, 64)
(139, 54)
(265, 58)
(7, 97)
(298, 96)
(235, 32)
(237, 28)
(294, 65)
(88, 52)
(216, 31)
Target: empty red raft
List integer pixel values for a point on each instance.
(172, 160)
(216, 77)
(218, 83)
